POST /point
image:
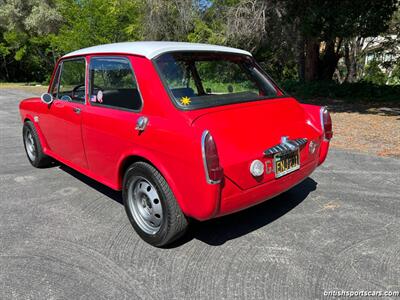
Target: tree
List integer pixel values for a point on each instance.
(34, 33)
(291, 38)
(30, 16)
(171, 20)
(24, 45)
(93, 22)
(253, 25)
(325, 24)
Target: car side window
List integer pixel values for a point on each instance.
(113, 83)
(72, 80)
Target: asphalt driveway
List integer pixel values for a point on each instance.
(64, 236)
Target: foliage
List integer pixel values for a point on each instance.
(30, 16)
(92, 22)
(360, 91)
(374, 74)
(325, 24)
(290, 38)
(391, 43)
(24, 38)
(169, 20)
(327, 20)
(395, 76)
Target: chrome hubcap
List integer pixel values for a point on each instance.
(30, 145)
(145, 205)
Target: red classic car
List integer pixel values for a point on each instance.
(186, 131)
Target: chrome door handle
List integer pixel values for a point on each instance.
(141, 123)
(77, 110)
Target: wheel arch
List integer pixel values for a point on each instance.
(127, 161)
(42, 139)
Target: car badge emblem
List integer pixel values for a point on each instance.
(312, 147)
(285, 141)
(286, 145)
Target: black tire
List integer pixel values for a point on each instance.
(173, 223)
(35, 156)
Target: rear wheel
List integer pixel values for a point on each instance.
(151, 206)
(33, 148)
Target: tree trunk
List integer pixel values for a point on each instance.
(351, 52)
(311, 60)
(301, 59)
(6, 69)
(329, 61)
(347, 61)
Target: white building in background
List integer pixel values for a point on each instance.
(374, 49)
(377, 49)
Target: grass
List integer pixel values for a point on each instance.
(30, 87)
(215, 86)
(220, 87)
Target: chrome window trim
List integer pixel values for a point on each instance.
(56, 81)
(203, 152)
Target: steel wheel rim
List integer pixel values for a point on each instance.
(145, 205)
(30, 145)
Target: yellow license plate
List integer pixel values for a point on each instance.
(286, 163)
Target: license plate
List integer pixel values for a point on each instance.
(286, 163)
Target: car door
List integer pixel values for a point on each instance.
(62, 125)
(109, 124)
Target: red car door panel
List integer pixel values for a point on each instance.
(62, 124)
(108, 135)
(109, 124)
(63, 131)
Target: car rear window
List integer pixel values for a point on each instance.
(204, 79)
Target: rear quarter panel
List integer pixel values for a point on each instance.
(314, 114)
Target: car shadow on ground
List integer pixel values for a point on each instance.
(110, 193)
(217, 231)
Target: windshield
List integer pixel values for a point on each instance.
(204, 79)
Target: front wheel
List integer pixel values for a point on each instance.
(151, 206)
(33, 148)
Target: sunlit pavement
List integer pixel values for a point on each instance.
(63, 235)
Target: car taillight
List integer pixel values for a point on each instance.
(212, 167)
(326, 123)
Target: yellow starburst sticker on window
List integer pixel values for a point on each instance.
(185, 100)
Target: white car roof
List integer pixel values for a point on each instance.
(152, 49)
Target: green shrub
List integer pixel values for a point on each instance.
(355, 92)
(374, 74)
(395, 76)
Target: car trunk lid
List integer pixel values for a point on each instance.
(243, 132)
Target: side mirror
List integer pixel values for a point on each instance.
(47, 98)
